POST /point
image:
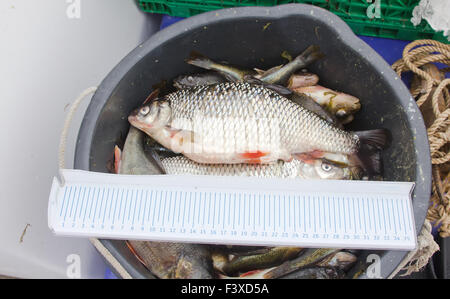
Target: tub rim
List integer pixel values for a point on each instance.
(390, 259)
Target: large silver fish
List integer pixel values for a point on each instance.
(314, 169)
(244, 123)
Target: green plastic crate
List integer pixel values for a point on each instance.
(394, 21)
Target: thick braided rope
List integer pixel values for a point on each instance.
(415, 55)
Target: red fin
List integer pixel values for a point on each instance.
(117, 158)
(253, 161)
(249, 273)
(253, 155)
(135, 253)
(316, 154)
(173, 132)
(305, 157)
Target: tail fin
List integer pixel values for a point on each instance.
(369, 159)
(379, 138)
(311, 54)
(369, 153)
(199, 60)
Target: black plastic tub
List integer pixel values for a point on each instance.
(255, 37)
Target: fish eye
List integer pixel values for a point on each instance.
(326, 167)
(144, 110)
(190, 78)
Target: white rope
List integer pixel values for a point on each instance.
(417, 259)
(110, 258)
(68, 120)
(61, 159)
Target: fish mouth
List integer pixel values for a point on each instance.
(344, 109)
(134, 113)
(137, 122)
(134, 120)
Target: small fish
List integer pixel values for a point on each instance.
(186, 81)
(234, 123)
(260, 72)
(219, 259)
(165, 260)
(281, 76)
(341, 260)
(302, 273)
(299, 98)
(309, 103)
(273, 257)
(337, 103)
(244, 250)
(315, 273)
(253, 274)
(310, 168)
(133, 160)
(302, 80)
(307, 259)
(175, 260)
(360, 266)
(276, 75)
(231, 73)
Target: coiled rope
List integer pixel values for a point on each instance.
(432, 96)
(436, 91)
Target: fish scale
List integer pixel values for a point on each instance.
(232, 104)
(280, 169)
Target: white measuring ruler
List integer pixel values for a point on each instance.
(234, 210)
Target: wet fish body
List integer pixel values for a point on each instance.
(341, 260)
(315, 273)
(309, 258)
(302, 80)
(175, 260)
(133, 159)
(273, 257)
(276, 75)
(231, 73)
(208, 78)
(337, 103)
(315, 169)
(239, 123)
(282, 75)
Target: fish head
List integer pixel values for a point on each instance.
(351, 171)
(326, 169)
(152, 116)
(319, 169)
(345, 105)
(185, 81)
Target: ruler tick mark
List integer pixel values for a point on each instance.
(145, 208)
(82, 203)
(87, 204)
(104, 211)
(73, 200)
